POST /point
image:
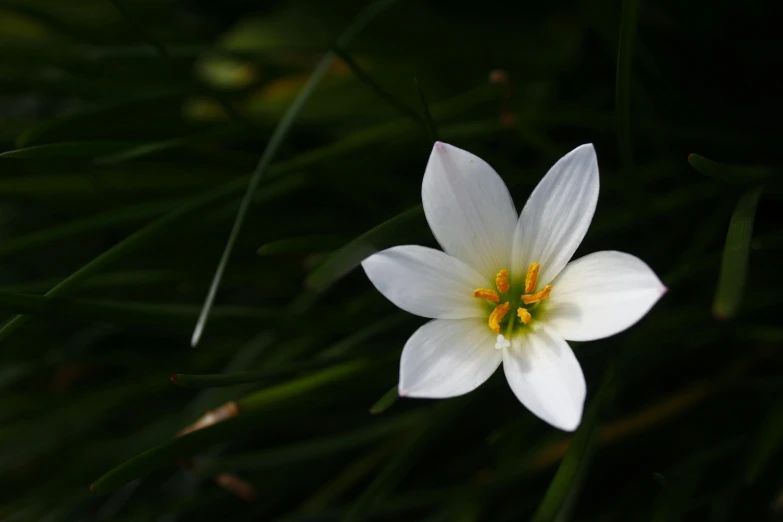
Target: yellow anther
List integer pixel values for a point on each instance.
(485, 293)
(538, 296)
(501, 281)
(523, 315)
(496, 316)
(532, 276)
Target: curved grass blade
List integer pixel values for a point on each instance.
(145, 236)
(122, 312)
(146, 149)
(563, 491)
(253, 409)
(768, 443)
(401, 462)
(734, 267)
(100, 221)
(387, 401)
(312, 449)
(68, 149)
(342, 261)
(278, 136)
(431, 127)
(335, 353)
(47, 130)
(734, 174)
(368, 80)
(297, 245)
(627, 38)
(132, 243)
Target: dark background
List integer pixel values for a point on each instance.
(130, 129)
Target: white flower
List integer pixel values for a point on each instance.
(504, 290)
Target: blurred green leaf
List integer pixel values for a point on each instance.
(734, 267)
(313, 448)
(105, 220)
(401, 462)
(277, 138)
(298, 245)
(342, 261)
(252, 408)
(432, 128)
(734, 174)
(766, 445)
(387, 401)
(76, 149)
(625, 51)
(123, 312)
(561, 496)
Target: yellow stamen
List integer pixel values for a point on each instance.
(523, 315)
(532, 276)
(501, 281)
(485, 293)
(496, 316)
(538, 296)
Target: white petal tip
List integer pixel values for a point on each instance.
(664, 290)
(402, 392)
(570, 427)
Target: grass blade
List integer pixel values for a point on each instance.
(734, 267)
(253, 408)
(122, 312)
(734, 174)
(342, 261)
(432, 129)
(275, 141)
(68, 149)
(627, 38)
(561, 496)
(769, 441)
(401, 462)
(298, 245)
(368, 80)
(312, 449)
(387, 401)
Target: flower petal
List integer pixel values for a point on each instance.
(469, 209)
(426, 282)
(557, 215)
(600, 295)
(447, 358)
(546, 377)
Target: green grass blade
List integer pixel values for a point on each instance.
(734, 267)
(342, 261)
(279, 135)
(385, 95)
(734, 174)
(104, 220)
(123, 312)
(627, 38)
(253, 409)
(146, 149)
(70, 150)
(312, 449)
(401, 462)
(560, 498)
(387, 401)
(767, 444)
(298, 245)
(132, 243)
(431, 127)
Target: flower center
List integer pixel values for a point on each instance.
(528, 301)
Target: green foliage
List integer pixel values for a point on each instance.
(156, 152)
